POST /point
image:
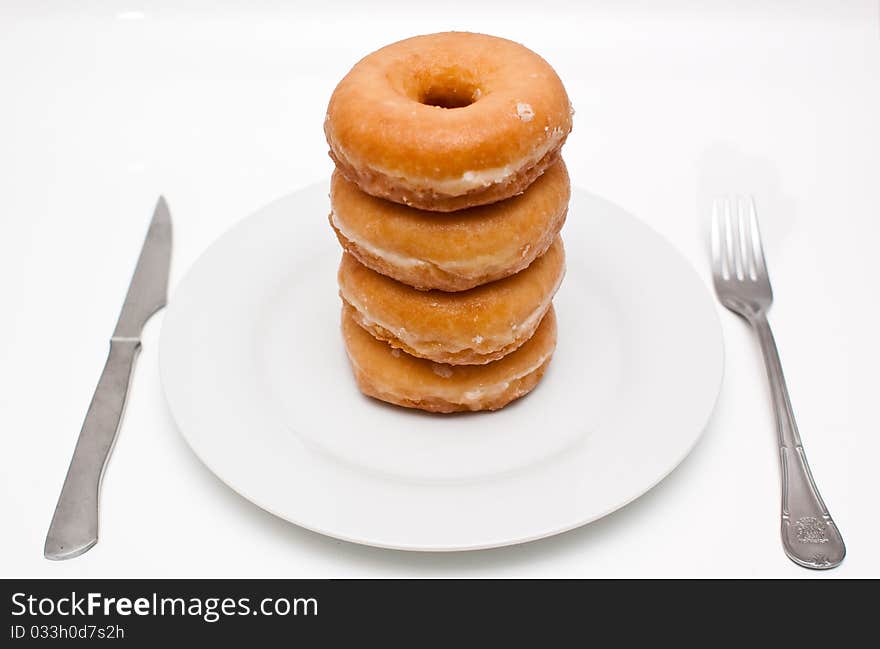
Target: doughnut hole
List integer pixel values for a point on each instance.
(444, 96)
(446, 88)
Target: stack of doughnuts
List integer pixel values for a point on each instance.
(448, 197)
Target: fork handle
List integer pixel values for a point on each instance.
(809, 535)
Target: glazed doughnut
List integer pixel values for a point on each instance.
(464, 328)
(454, 251)
(390, 375)
(447, 121)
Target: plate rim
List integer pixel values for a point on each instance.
(375, 540)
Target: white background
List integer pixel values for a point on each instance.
(220, 106)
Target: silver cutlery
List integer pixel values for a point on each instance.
(74, 527)
(809, 535)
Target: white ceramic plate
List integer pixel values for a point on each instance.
(256, 377)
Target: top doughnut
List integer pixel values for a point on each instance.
(447, 121)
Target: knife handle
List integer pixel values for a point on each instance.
(74, 527)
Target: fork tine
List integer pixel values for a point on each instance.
(757, 246)
(748, 240)
(717, 256)
(745, 239)
(731, 239)
(724, 238)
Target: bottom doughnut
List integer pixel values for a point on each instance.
(394, 376)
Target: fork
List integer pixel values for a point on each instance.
(809, 535)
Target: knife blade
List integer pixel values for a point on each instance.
(74, 527)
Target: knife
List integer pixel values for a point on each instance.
(74, 527)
